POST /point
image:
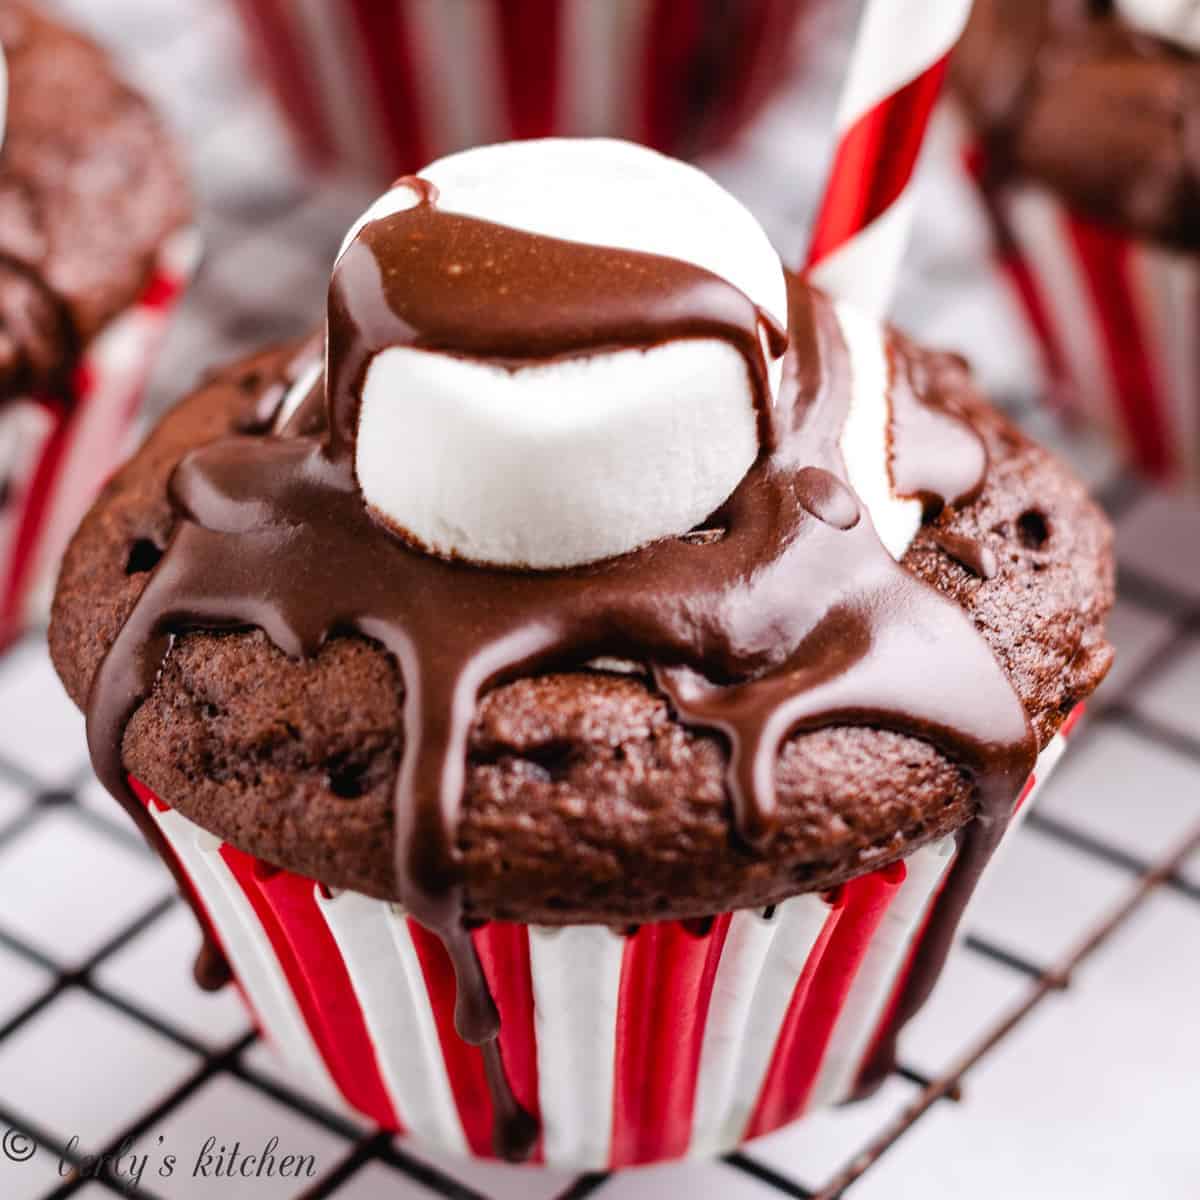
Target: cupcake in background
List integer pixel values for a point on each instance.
(94, 249)
(382, 88)
(1086, 115)
(581, 719)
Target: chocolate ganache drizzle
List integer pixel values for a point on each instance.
(795, 618)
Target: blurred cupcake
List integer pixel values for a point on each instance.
(93, 252)
(385, 88)
(582, 716)
(1088, 119)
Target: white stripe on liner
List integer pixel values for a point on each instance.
(576, 975)
(761, 962)
(457, 57)
(382, 962)
(602, 65)
(97, 429)
(250, 952)
(25, 429)
(341, 76)
(878, 973)
(102, 421)
(1042, 230)
(1167, 294)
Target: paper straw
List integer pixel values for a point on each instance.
(895, 75)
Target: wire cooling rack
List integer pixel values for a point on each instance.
(1057, 1057)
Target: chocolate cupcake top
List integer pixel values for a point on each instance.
(89, 188)
(1098, 100)
(585, 797)
(564, 586)
(572, 760)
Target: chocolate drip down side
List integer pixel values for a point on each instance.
(796, 618)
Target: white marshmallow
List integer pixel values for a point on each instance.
(492, 466)
(1173, 20)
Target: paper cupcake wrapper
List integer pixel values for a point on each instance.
(385, 88)
(57, 451)
(661, 1044)
(1116, 319)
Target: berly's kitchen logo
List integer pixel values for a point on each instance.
(128, 1166)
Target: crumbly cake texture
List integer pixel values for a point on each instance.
(90, 186)
(585, 799)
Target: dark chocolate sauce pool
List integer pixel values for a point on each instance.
(796, 618)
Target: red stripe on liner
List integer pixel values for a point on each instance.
(1073, 718)
(1023, 281)
(672, 68)
(326, 996)
(503, 951)
(146, 796)
(531, 57)
(820, 996)
(43, 492)
(666, 984)
(874, 161)
(884, 1026)
(290, 72)
(1105, 254)
(306, 978)
(885, 1021)
(464, 1063)
(160, 292)
(763, 44)
(1013, 264)
(388, 48)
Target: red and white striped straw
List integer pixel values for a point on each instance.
(895, 76)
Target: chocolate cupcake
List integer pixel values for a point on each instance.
(1086, 115)
(93, 250)
(582, 715)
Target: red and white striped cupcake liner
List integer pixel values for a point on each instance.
(1116, 318)
(661, 1044)
(384, 88)
(57, 451)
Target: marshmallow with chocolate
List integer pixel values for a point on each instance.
(554, 458)
(556, 461)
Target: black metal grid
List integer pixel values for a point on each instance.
(249, 216)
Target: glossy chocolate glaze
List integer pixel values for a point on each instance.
(211, 970)
(795, 617)
(968, 552)
(438, 281)
(934, 455)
